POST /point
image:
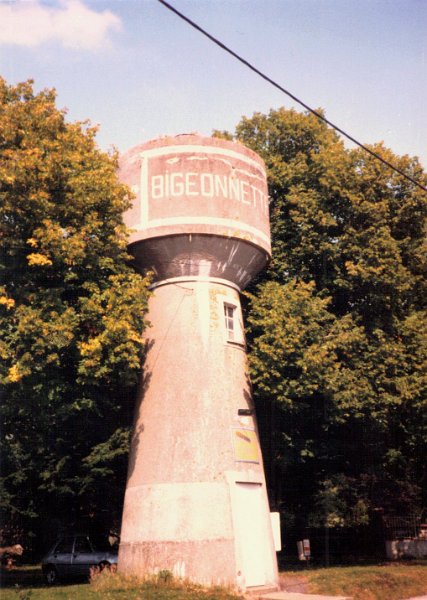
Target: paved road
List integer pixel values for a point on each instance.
(299, 596)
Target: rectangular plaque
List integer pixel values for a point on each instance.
(245, 445)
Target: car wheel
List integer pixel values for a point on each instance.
(51, 576)
(105, 565)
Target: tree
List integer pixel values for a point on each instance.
(72, 315)
(336, 326)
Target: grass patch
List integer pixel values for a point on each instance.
(158, 587)
(69, 592)
(380, 582)
(368, 582)
(113, 586)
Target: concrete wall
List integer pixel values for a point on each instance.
(407, 548)
(195, 471)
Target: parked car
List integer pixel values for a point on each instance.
(74, 556)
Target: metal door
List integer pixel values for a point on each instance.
(62, 557)
(83, 556)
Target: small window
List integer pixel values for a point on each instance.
(229, 315)
(82, 545)
(65, 546)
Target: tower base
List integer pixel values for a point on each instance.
(196, 501)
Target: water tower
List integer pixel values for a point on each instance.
(196, 501)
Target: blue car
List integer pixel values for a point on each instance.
(74, 556)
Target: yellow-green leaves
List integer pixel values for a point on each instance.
(38, 260)
(114, 321)
(72, 311)
(301, 350)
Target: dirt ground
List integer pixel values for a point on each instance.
(22, 576)
(293, 583)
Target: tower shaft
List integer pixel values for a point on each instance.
(196, 484)
(196, 501)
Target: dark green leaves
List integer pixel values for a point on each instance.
(72, 311)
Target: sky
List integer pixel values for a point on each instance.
(139, 72)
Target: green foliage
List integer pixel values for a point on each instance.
(71, 315)
(298, 345)
(337, 327)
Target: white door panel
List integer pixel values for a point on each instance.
(251, 531)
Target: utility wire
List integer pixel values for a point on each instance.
(279, 87)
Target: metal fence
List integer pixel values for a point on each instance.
(398, 528)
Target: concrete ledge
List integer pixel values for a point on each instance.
(261, 591)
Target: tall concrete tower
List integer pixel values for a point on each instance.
(196, 501)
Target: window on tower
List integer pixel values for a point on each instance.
(233, 325)
(230, 325)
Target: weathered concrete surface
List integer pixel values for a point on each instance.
(196, 501)
(184, 502)
(201, 208)
(192, 184)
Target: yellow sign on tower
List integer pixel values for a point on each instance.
(245, 445)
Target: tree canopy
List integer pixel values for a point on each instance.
(71, 317)
(336, 324)
(337, 327)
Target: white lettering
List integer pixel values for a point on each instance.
(208, 185)
(177, 187)
(234, 188)
(221, 188)
(190, 185)
(255, 191)
(206, 177)
(157, 186)
(244, 192)
(265, 202)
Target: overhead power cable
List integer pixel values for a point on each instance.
(282, 89)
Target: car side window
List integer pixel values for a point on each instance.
(82, 545)
(65, 546)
